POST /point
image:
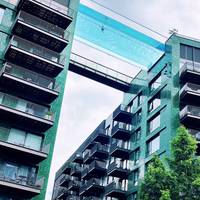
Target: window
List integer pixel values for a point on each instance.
(190, 53)
(25, 139)
(154, 123)
(153, 145)
(154, 103)
(136, 156)
(134, 196)
(2, 10)
(139, 98)
(135, 177)
(155, 83)
(138, 117)
(186, 52)
(137, 135)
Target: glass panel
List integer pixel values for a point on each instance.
(16, 137)
(155, 83)
(155, 103)
(2, 10)
(197, 55)
(153, 145)
(10, 171)
(189, 53)
(154, 123)
(33, 142)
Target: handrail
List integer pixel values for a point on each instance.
(101, 68)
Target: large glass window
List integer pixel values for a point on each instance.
(154, 103)
(153, 145)
(190, 53)
(2, 10)
(154, 123)
(25, 139)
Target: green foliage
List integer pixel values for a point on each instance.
(182, 180)
(165, 195)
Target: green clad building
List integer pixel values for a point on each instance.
(113, 159)
(35, 44)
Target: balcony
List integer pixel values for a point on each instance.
(19, 185)
(62, 193)
(92, 198)
(41, 32)
(64, 180)
(74, 185)
(25, 114)
(121, 131)
(97, 151)
(73, 197)
(76, 171)
(190, 116)
(78, 158)
(190, 72)
(122, 114)
(96, 169)
(87, 158)
(22, 151)
(94, 187)
(116, 190)
(28, 84)
(190, 93)
(101, 136)
(118, 170)
(120, 150)
(195, 134)
(48, 10)
(34, 57)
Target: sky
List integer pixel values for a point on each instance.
(86, 103)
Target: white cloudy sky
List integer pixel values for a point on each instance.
(87, 103)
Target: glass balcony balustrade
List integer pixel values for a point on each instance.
(38, 50)
(23, 139)
(30, 76)
(58, 7)
(43, 25)
(26, 106)
(20, 174)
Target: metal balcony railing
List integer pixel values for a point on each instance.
(30, 76)
(37, 50)
(26, 106)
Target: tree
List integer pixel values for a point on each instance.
(156, 180)
(165, 195)
(182, 180)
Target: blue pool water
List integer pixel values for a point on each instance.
(117, 38)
